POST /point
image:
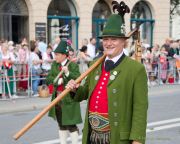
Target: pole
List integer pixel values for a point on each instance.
(56, 100)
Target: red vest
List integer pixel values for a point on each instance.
(98, 104)
(99, 98)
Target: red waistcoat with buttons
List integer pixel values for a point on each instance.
(99, 98)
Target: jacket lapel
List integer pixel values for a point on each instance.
(96, 75)
(116, 72)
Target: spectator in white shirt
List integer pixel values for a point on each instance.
(42, 46)
(47, 59)
(36, 68)
(91, 49)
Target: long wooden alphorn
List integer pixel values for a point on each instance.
(56, 100)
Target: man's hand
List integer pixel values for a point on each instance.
(136, 142)
(65, 70)
(72, 85)
(60, 81)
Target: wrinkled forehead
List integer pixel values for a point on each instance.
(114, 38)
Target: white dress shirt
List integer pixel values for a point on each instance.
(91, 50)
(116, 58)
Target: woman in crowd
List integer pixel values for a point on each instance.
(7, 61)
(163, 65)
(23, 55)
(83, 59)
(23, 60)
(155, 58)
(36, 68)
(47, 60)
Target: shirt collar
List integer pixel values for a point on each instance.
(115, 59)
(64, 62)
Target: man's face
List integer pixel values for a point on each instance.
(49, 50)
(71, 54)
(113, 46)
(93, 41)
(60, 57)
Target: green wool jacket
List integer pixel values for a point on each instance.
(71, 113)
(127, 102)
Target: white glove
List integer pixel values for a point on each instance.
(60, 81)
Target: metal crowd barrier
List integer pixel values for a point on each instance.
(154, 78)
(164, 74)
(22, 84)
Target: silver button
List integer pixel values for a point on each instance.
(115, 114)
(104, 78)
(101, 87)
(96, 77)
(99, 92)
(115, 104)
(97, 102)
(114, 90)
(112, 77)
(102, 83)
(106, 74)
(96, 107)
(97, 97)
(115, 73)
(115, 123)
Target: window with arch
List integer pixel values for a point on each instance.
(141, 13)
(61, 8)
(60, 20)
(101, 12)
(13, 20)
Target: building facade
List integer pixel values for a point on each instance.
(79, 19)
(176, 26)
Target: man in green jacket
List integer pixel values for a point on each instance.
(67, 111)
(116, 91)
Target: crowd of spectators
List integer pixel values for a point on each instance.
(32, 61)
(162, 63)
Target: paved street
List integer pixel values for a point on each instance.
(163, 119)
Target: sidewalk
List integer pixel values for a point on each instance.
(36, 103)
(23, 104)
(160, 89)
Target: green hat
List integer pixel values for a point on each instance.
(115, 26)
(63, 48)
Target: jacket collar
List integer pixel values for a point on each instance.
(116, 71)
(113, 73)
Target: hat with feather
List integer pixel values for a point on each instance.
(63, 48)
(115, 26)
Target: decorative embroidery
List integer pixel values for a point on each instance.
(98, 121)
